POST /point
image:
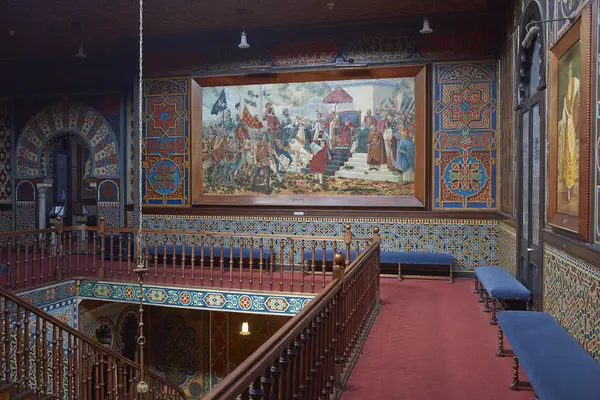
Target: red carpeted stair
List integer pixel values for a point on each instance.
(432, 341)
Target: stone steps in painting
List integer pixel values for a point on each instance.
(357, 168)
(339, 156)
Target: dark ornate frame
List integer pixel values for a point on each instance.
(580, 224)
(417, 201)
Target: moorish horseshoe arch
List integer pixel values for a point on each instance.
(74, 118)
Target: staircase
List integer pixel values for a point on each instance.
(43, 358)
(357, 168)
(339, 156)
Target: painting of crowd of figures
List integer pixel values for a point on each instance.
(329, 138)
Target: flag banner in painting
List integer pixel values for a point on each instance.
(251, 121)
(220, 104)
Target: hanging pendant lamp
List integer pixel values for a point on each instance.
(426, 28)
(80, 53)
(243, 41)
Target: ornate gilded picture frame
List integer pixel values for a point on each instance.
(570, 150)
(352, 137)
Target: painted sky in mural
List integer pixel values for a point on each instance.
(352, 137)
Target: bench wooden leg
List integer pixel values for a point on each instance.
(476, 290)
(399, 271)
(493, 321)
(451, 278)
(500, 352)
(487, 303)
(528, 304)
(515, 383)
(481, 299)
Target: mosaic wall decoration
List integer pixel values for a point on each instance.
(564, 9)
(109, 206)
(65, 311)
(130, 136)
(166, 142)
(472, 242)
(219, 351)
(6, 135)
(6, 223)
(177, 357)
(43, 297)
(25, 206)
(464, 136)
(198, 299)
(507, 132)
(507, 248)
(68, 117)
(572, 296)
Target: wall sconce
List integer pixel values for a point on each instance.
(245, 330)
(243, 41)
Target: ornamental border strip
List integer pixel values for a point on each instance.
(197, 298)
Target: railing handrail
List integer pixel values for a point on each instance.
(236, 382)
(261, 358)
(85, 339)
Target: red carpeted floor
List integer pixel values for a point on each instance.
(432, 341)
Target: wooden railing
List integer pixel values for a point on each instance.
(206, 259)
(311, 356)
(43, 355)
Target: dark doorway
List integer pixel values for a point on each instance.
(532, 111)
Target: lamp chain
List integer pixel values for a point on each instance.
(142, 386)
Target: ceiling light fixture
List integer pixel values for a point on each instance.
(80, 52)
(426, 28)
(12, 32)
(330, 5)
(243, 41)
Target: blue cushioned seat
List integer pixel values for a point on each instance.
(415, 257)
(500, 284)
(328, 255)
(217, 251)
(557, 367)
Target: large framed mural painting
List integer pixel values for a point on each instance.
(569, 164)
(349, 137)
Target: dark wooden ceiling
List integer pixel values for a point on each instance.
(54, 28)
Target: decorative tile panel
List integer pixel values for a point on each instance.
(195, 298)
(61, 118)
(6, 223)
(43, 297)
(507, 248)
(472, 242)
(166, 142)
(130, 136)
(572, 296)
(6, 135)
(219, 351)
(464, 137)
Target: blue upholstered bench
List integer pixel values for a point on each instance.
(416, 258)
(498, 284)
(160, 251)
(557, 367)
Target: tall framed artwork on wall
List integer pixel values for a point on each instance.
(343, 137)
(570, 144)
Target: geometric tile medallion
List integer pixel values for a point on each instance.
(288, 304)
(464, 135)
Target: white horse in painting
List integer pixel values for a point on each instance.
(297, 150)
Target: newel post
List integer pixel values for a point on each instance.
(348, 240)
(60, 228)
(376, 236)
(101, 230)
(339, 266)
